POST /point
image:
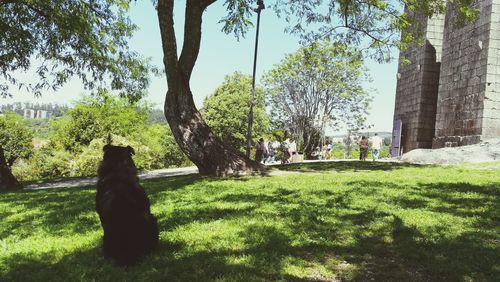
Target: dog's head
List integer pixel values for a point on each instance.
(118, 156)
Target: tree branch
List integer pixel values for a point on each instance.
(192, 35)
(42, 13)
(166, 20)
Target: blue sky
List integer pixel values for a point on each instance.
(221, 55)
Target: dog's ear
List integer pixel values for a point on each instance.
(106, 147)
(131, 150)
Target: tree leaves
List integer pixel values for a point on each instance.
(66, 38)
(317, 87)
(226, 110)
(374, 26)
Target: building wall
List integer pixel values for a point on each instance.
(465, 111)
(417, 87)
(449, 95)
(491, 110)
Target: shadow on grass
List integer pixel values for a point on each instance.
(347, 166)
(359, 233)
(60, 211)
(66, 210)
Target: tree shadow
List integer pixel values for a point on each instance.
(50, 209)
(343, 166)
(316, 226)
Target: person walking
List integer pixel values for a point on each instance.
(363, 148)
(376, 146)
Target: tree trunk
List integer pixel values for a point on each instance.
(193, 135)
(198, 141)
(7, 180)
(311, 138)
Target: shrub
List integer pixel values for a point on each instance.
(15, 138)
(44, 163)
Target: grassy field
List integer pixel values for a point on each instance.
(316, 222)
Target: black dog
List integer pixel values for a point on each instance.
(130, 230)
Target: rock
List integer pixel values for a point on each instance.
(486, 151)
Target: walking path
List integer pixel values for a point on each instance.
(89, 181)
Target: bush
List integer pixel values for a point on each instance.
(97, 117)
(15, 138)
(161, 149)
(45, 163)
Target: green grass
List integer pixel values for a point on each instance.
(316, 222)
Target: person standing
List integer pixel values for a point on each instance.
(376, 146)
(270, 152)
(363, 148)
(292, 149)
(259, 150)
(285, 150)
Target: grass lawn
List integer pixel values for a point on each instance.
(314, 222)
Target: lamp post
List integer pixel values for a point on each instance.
(260, 7)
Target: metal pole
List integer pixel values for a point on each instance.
(260, 7)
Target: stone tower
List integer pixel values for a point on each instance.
(449, 95)
(417, 87)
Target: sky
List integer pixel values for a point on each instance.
(220, 55)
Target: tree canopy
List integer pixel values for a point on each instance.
(226, 110)
(316, 87)
(60, 39)
(374, 26)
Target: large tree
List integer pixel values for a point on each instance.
(376, 24)
(318, 86)
(88, 38)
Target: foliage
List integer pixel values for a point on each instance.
(39, 127)
(96, 117)
(317, 87)
(45, 163)
(154, 149)
(15, 138)
(87, 39)
(160, 147)
(226, 110)
(77, 139)
(374, 26)
(156, 116)
(347, 221)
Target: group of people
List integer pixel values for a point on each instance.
(364, 144)
(265, 151)
(324, 152)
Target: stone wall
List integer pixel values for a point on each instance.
(466, 108)
(491, 110)
(449, 95)
(417, 87)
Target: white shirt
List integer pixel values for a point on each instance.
(376, 142)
